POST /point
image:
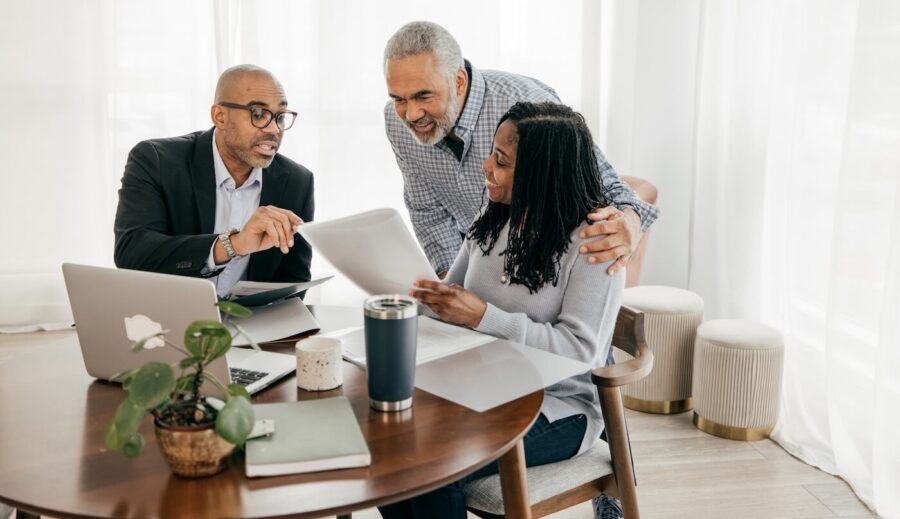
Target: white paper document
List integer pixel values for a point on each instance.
(435, 340)
(494, 374)
(374, 249)
(273, 322)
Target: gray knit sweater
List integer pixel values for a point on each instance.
(574, 319)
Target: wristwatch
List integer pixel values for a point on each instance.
(225, 238)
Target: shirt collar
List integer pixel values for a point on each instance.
(222, 174)
(474, 101)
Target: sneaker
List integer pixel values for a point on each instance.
(606, 507)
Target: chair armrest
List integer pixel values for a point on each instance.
(626, 372)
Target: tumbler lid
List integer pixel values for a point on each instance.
(390, 306)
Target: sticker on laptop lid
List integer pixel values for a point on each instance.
(138, 327)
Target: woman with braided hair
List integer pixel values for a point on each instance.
(519, 276)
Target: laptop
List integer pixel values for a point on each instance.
(104, 301)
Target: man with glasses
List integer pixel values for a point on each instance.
(220, 203)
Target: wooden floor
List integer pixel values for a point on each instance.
(683, 472)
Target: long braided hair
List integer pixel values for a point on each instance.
(556, 183)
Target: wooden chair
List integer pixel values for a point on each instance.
(607, 467)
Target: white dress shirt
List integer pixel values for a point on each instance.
(234, 206)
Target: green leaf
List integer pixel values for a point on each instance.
(139, 345)
(234, 309)
(193, 336)
(217, 344)
(238, 390)
(134, 445)
(128, 418)
(111, 436)
(151, 385)
(189, 361)
(235, 420)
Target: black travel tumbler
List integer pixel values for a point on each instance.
(391, 325)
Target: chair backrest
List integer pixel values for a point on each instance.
(629, 330)
(629, 337)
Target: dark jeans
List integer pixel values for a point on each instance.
(545, 442)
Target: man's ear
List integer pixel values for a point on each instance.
(462, 81)
(217, 114)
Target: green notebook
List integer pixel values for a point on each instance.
(309, 436)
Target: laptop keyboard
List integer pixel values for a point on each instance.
(245, 377)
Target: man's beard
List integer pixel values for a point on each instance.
(442, 126)
(245, 154)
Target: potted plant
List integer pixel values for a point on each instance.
(195, 435)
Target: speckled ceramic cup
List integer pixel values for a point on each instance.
(319, 364)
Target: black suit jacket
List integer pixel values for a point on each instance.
(167, 210)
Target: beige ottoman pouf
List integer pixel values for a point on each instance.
(737, 378)
(671, 317)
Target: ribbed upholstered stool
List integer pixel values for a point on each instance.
(671, 317)
(737, 378)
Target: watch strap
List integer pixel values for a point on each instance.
(225, 238)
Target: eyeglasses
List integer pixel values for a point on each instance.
(261, 117)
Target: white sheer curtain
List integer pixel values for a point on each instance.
(84, 81)
(797, 216)
(787, 202)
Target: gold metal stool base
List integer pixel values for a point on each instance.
(657, 407)
(732, 433)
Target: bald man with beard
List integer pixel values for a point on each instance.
(220, 203)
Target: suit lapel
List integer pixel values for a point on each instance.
(203, 176)
(272, 192)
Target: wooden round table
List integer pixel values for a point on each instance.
(53, 460)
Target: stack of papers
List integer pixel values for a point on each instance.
(286, 319)
(257, 293)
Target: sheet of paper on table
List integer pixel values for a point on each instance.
(435, 339)
(494, 373)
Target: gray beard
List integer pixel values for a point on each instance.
(246, 156)
(442, 127)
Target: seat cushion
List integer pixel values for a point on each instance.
(655, 299)
(544, 481)
(741, 334)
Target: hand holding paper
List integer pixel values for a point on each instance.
(391, 259)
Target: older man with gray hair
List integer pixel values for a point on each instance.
(440, 123)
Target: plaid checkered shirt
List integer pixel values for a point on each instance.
(443, 194)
